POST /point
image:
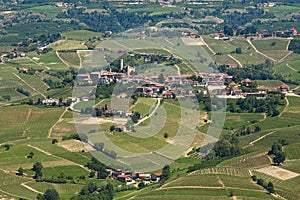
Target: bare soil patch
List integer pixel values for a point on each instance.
(278, 172)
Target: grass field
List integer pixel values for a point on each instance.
(11, 185)
(269, 83)
(270, 44)
(71, 58)
(67, 45)
(292, 151)
(30, 122)
(238, 119)
(288, 188)
(219, 46)
(282, 10)
(50, 11)
(82, 35)
(144, 106)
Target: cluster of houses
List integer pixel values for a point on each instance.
(266, 4)
(15, 54)
(56, 102)
(133, 178)
(176, 86)
(292, 32)
(234, 89)
(64, 5)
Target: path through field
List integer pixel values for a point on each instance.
(255, 49)
(205, 44)
(62, 60)
(151, 114)
(236, 60)
(258, 139)
(59, 120)
(30, 188)
(29, 85)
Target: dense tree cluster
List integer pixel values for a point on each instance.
(276, 151)
(252, 104)
(295, 46)
(93, 191)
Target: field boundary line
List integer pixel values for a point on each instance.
(205, 44)
(30, 188)
(257, 51)
(62, 60)
(260, 138)
(12, 195)
(59, 120)
(29, 85)
(236, 60)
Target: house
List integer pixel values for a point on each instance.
(85, 99)
(123, 177)
(232, 84)
(156, 177)
(24, 70)
(247, 82)
(263, 33)
(283, 88)
(145, 176)
(236, 92)
(59, 4)
(263, 90)
(168, 94)
(293, 31)
(50, 102)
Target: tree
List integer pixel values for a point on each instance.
(20, 171)
(279, 157)
(270, 187)
(37, 168)
(238, 50)
(112, 128)
(92, 174)
(166, 135)
(161, 78)
(166, 172)
(141, 185)
(51, 194)
(54, 141)
(92, 187)
(31, 154)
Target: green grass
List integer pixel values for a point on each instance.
(11, 184)
(269, 83)
(52, 61)
(288, 188)
(31, 122)
(50, 11)
(242, 43)
(76, 157)
(74, 171)
(276, 54)
(144, 106)
(71, 58)
(263, 45)
(67, 45)
(291, 134)
(82, 35)
(282, 10)
(17, 157)
(292, 151)
(218, 45)
(238, 119)
(61, 188)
